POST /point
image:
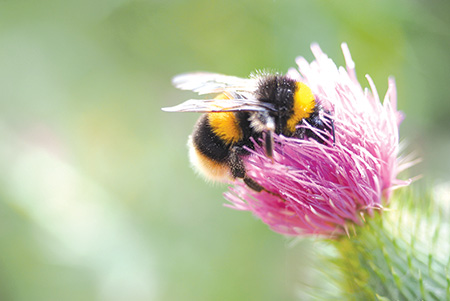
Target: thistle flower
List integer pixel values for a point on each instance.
(315, 188)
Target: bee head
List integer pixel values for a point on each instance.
(292, 102)
(264, 122)
(283, 93)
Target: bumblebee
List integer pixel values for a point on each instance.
(245, 111)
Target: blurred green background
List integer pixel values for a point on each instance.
(98, 201)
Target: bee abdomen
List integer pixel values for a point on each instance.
(207, 142)
(208, 152)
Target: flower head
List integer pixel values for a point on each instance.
(314, 188)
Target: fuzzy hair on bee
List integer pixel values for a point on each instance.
(245, 111)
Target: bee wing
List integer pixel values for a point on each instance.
(211, 83)
(220, 105)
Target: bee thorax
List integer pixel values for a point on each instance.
(260, 122)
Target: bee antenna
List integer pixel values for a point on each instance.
(332, 129)
(268, 144)
(268, 141)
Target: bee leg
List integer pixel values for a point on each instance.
(252, 184)
(238, 169)
(268, 144)
(236, 164)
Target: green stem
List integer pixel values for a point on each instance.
(388, 260)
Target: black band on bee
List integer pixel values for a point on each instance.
(208, 143)
(244, 119)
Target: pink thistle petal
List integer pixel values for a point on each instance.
(314, 188)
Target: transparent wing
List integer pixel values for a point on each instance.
(220, 105)
(211, 83)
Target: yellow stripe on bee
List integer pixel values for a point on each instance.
(304, 103)
(225, 125)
